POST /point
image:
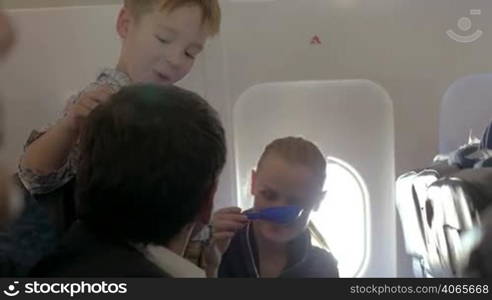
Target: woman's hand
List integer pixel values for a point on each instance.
(225, 224)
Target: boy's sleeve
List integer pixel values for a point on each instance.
(37, 183)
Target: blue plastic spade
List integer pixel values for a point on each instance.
(279, 214)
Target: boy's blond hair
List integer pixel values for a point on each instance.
(299, 151)
(211, 15)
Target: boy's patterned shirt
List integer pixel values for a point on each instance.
(40, 184)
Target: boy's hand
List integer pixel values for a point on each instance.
(226, 223)
(78, 112)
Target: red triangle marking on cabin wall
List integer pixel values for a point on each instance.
(315, 40)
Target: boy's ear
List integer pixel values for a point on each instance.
(319, 200)
(125, 19)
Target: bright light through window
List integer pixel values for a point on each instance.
(342, 217)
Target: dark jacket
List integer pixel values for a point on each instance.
(305, 260)
(26, 241)
(84, 254)
(37, 231)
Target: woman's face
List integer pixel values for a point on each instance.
(279, 183)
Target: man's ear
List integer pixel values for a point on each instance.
(205, 214)
(123, 23)
(318, 202)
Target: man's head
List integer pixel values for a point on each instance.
(150, 162)
(162, 38)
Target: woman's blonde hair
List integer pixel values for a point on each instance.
(299, 151)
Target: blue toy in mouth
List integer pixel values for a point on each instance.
(279, 214)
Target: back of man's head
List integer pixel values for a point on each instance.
(150, 159)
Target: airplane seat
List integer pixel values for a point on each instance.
(411, 197)
(480, 264)
(441, 207)
(466, 110)
(457, 202)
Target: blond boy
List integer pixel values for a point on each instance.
(160, 42)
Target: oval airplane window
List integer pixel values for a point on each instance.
(344, 207)
(363, 236)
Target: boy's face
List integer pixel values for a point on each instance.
(161, 47)
(280, 183)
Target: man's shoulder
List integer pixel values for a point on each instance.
(83, 254)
